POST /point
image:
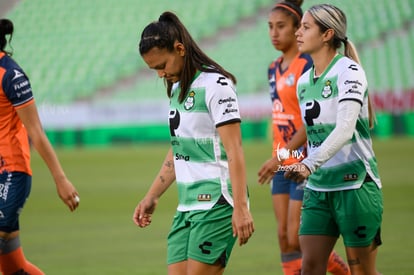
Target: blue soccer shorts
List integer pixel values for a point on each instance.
(14, 191)
(282, 185)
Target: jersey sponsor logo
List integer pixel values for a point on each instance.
(174, 119)
(327, 90)
(353, 67)
(228, 100)
(203, 247)
(230, 110)
(182, 157)
(355, 82)
(355, 85)
(190, 101)
(21, 85)
(301, 97)
(277, 106)
(28, 90)
(360, 231)
(314, 144)
(175, 143)
(4, 190)
(229, 107)
(351, 91)
(312, 111)
(17, 74)
(222, 81)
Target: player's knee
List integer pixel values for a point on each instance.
(311, 266)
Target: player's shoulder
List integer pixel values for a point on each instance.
(300, 64)
(303, 78)
(275, 63)
(215, 85)
(12, 71)
(305, 57)
(345, 63)
(7, 62)
(213, 80)
(346, 69)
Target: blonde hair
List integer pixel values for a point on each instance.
(327, 17)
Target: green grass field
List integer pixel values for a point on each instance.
(100, 237)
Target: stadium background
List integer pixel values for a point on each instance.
(93, 89)
(105, 112)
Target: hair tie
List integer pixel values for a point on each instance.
(345, 39)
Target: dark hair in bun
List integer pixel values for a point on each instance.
(6, 28)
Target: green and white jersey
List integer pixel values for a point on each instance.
(201, 167)
(343, 80)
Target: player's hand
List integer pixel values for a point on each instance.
(143, 212)
(243, 226)
(268, 170)
(68, 193)
(297, 172)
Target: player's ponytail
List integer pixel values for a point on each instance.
(6, 28)
(351, 52)
(163, 34)
(330, 17)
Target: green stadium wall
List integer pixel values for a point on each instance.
(387, 126)
(104, 136)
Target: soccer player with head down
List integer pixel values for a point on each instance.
(206, 158)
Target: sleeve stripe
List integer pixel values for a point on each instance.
(352, 99)
(24, 103)
(235, 120)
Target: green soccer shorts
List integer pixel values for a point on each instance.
(355, 214)
(202, 235)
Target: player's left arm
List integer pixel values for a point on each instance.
(230, 135)
(224, 109)
(29, 116)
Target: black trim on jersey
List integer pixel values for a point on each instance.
(352, 99)
(234, 120)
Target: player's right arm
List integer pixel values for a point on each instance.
(164, 179)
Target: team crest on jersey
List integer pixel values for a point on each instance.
(290, 80)
(327, 90)
(189, 101)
